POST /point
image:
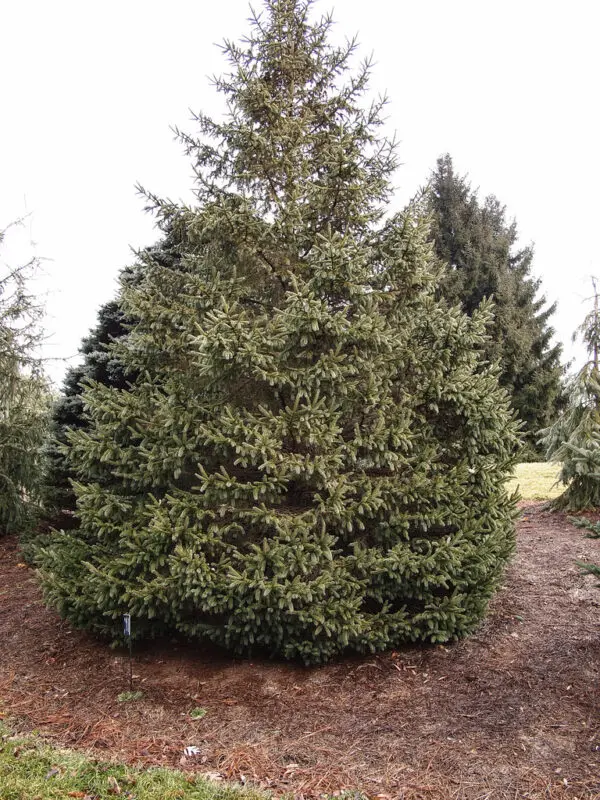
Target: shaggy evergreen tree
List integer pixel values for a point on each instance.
(574, 439)
(23, 397)
(311, 457)
(479, 245)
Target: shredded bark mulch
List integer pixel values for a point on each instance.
(512, 712)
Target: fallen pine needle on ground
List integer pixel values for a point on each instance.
(512, 712)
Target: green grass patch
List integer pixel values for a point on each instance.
(536, 480)
(32, 770)
(130, 697)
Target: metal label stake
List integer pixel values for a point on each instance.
(127, 633)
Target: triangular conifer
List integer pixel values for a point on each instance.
(311, 457)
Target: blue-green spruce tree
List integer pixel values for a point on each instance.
(98, 363)
(311, 457)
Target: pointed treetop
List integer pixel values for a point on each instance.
(297, 146)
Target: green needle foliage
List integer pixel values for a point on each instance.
(23, 398)
(480, 246)
(574, 439)
(311, 457)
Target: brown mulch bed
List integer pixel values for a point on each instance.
(513, 712)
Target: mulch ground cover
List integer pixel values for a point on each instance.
(512, 712)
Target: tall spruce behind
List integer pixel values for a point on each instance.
(311, 456)
(480, 247)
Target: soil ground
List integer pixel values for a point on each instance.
(512, 712)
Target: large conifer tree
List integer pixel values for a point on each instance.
(311, 456)
(479, 245)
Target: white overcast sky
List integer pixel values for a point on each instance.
(90, 90)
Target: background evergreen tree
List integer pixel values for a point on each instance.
(68, 413)
(98, 364)
(480, 246)
(574, 439)
(311, 457)
(23, 396)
